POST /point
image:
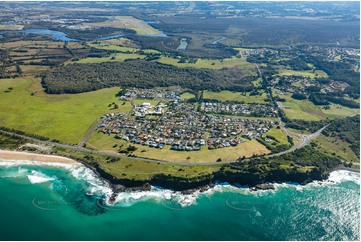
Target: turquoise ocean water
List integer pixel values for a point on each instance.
(68, 202)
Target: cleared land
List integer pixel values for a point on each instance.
(279, 135)
(11, 27)
(187, 95)
(301, 109)
(213, 63)
(234, 96)
(62, 117)
(337, 147)
(128, 22)
(129, 53)
(118, 57)
(338, 111)
(310, 74)
(140, 170)
(110, 144)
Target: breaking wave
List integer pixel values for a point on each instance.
(96, 186)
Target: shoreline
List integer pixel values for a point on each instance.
(343, 168)
(8, 155)
(186, 186)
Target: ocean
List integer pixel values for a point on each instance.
(68, 202)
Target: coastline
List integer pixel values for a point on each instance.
(8, 155)
(186, 186)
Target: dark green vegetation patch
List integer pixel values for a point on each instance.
(78, 78)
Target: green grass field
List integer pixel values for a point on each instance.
(306, 110)
(295, 111)
(128, 53)
(332, 145)
(106, 142)
(317, 73)
(234, 96)
(249, 68)
(279, 135)
(187, 95)
(118, 57)
(64, 117)
(338, 111)
(301, 109)
(114, 47)
(141, 170)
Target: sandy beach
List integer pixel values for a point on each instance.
(20, 155)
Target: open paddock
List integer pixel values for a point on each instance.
(338, 111)
(310, 74)
(63, 117)
(234, 96)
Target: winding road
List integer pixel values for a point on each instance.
(305, 140)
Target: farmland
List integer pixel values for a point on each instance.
(67, 117)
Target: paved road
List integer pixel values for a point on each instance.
(305, 140)
(91, 130)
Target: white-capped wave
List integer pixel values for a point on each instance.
(97, 185)
(126, 199)
(343, 175)
(37, 177)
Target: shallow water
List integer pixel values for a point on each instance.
(68, 202)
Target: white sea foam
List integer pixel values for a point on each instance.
(38, 177)
(14, 163)
(78, 171)
(343, 175)
(99, 187)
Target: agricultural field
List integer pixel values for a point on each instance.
(37, 56)
(234, 96)
(63, 117)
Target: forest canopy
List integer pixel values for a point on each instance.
(77, 78)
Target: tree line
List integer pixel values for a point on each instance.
(77, 78)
